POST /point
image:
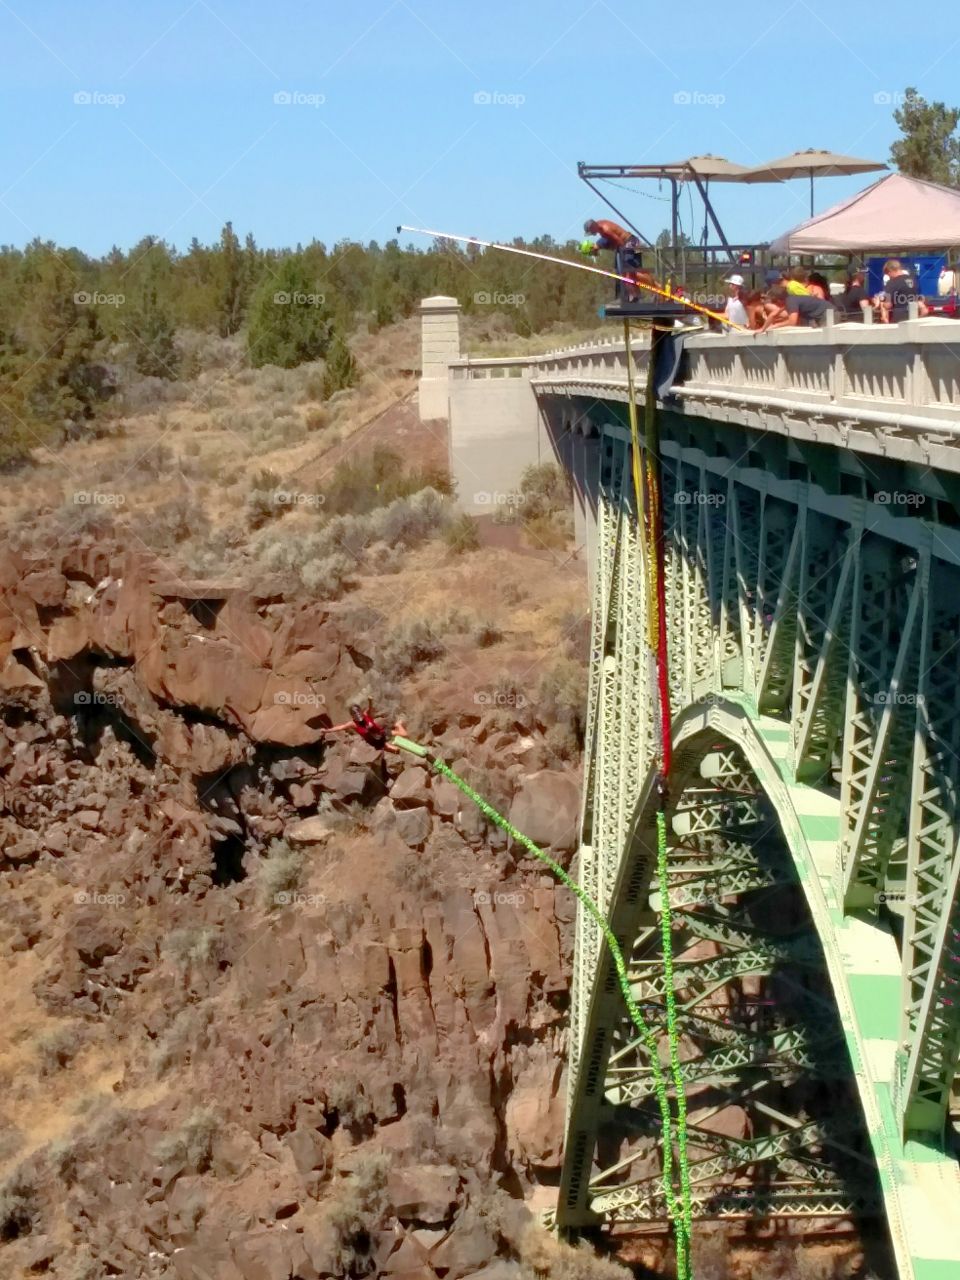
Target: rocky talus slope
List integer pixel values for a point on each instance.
(269, 1009)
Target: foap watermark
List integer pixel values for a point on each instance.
(297, 299)
(298, 98)
(289, 498)
(97, 98)
(499, 698)
(896, 896)
(494, 98)
(698, 98)
(294, 898)
(98, 498)
(484, 299)
(493, 498)
(899, 498)
(86, 898)
(698, 498)
(97, 299)
(298, 698)
(498, 898)
(887, 98)
(96, 698)
(894, 698)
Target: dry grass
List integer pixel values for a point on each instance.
(200, 438)
(490, 337)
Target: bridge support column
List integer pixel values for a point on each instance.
(440, 343)
(585, 474)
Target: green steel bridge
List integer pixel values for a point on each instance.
(812, 512)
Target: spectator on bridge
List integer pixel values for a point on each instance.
(854, 301)
(793, 279)
(753, 302)
(786, 310)
(819, 286)
(734, 310)
(902, 290)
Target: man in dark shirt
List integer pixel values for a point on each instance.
(901, 291)
(854, 300)
(792, 309)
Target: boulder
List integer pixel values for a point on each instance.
(413, 826)
(469, 1246)
(411, 1256)
(304, 795)
(347, 782)
(384, 816)
(24, 848)
(411, 789)
(546, 808)
(470, 822)
(445, 798)
(204, 1262)
(308, 831)
(424, 1193)
(310, 1150)
(267, 1255)
(534, 1111)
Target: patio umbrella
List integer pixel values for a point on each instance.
(715, 168)
(809, 164)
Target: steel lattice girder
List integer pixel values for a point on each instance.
(783, 1054)
(724, 808)
(836, 1201)
(841, 620)
(733, 1155)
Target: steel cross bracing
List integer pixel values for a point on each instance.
(814, 647)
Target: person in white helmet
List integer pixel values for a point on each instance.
(734, 310)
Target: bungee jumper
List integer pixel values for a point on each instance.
(370, 730)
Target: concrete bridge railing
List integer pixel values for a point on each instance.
(891, 390)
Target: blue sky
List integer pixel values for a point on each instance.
(183, 131)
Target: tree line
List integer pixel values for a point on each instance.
(67, 320)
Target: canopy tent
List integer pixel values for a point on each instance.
(895, 213)
(810, 164)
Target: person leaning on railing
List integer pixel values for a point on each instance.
(785, 310)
